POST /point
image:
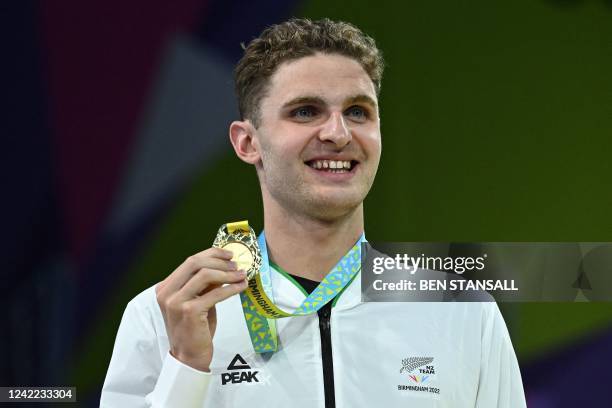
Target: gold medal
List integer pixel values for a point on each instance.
(242, 255)
(240, 239)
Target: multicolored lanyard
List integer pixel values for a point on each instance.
(257, 300)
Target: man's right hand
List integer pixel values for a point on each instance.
(187, 299)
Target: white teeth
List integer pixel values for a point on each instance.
(334, 166)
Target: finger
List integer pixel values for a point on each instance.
(210, 299)
(213, 258)
(208, 277)
(159, 287)
(220, 253)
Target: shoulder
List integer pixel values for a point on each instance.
(143, 312)
(145, 301)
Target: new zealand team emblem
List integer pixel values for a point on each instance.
(421, 372)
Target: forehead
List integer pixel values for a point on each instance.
(331, 77)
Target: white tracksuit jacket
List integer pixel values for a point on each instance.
(417, 355)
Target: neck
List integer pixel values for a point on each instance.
(309, 247)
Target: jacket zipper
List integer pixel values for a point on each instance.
(326, 352)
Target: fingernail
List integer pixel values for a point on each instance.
(242, 272)
(233, 265)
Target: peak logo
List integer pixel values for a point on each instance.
(238, 376)
(238, 363)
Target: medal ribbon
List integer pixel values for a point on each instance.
(260, 311)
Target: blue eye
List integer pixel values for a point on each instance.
(357, 112)
(304, 112)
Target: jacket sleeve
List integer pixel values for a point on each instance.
(500, 384)
(140, 376)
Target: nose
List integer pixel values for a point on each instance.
(335, 130)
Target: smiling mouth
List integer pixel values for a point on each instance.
(333, 166)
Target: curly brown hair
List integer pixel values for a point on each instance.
(294, 39)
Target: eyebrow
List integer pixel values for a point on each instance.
(317, 100)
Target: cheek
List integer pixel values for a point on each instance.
(371, 143)
(281, 155)
(290, 147)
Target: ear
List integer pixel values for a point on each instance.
(242, 135)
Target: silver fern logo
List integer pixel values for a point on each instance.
(418, 374)
(412, 363)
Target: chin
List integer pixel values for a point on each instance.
(332, 208)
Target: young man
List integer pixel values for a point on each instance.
(308, 98)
